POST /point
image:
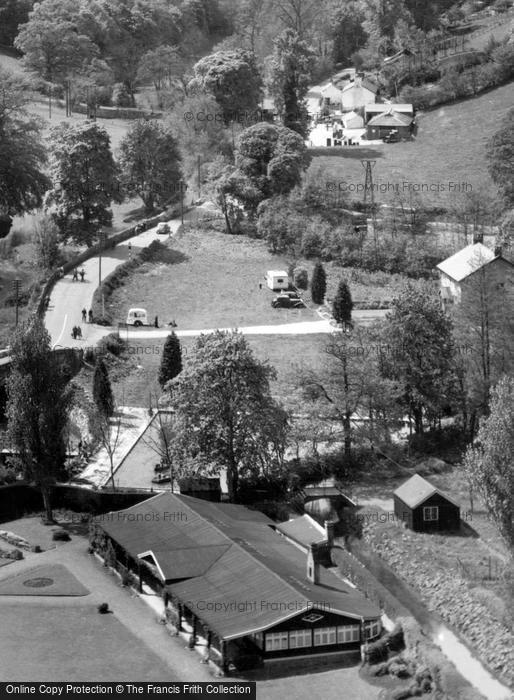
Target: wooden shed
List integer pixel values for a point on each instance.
(424, 508)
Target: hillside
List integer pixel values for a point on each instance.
(450, 146)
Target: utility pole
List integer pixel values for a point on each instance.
(199, 179)
(16, 284)
(369, 189)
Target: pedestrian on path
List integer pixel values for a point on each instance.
(130, 249)
(90, 315)
(79, 332)
(82, 274)
(74, 332)
(156, 322)
(75, 275)
(84, 315)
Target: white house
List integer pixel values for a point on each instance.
(331, 94)
(352, 120)
(277, 279)
(358, 93)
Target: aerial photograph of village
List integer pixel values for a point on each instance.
(257, 349)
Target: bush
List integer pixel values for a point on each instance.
(121, 97)
(103, 608)
(301, 278)
(112, 344)
(61, 536)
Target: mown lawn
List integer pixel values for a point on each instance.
(450, 147)
(214, 284)
(135, 380)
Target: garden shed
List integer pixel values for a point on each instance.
(424, 508)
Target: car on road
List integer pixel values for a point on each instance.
(288, 300)
(163, 228)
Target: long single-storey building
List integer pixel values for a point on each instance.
(227, 576)
(424, 508)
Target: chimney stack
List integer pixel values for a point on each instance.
(329, 530)
(313, 563)
(498, 251)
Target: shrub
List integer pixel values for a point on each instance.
(103, 608)
(318, 283)
(121, 96)
(61, 536)
(112, 344)
(301, 277)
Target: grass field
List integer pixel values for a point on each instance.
(216, 285)
(450, 147)
(135, 379)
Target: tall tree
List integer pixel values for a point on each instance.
(291, 65)
(270, 160)
(490, 464)
(500, 157)
(232, 78)
(342, 305)
(225, 416)
(171, 362)
(422, 354)
(164, 67)
(150, 164)
(102, 391)
(85, 180)
(12, 14)
(52, 43)
(318, 283)
(23, 157)
(37, 408)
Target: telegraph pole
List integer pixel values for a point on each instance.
(199, 179)
(369, 189)
(16, 284)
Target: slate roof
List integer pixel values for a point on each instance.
(380, 107)
(466, 261)
(365, 83)
(416, 490)
(304, 530)
(229, 556)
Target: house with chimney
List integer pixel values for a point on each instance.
(249, 591)
(358, 93)
(476, 272)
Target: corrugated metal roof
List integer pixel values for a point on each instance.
(390, 118)
(231, 555)
(416, 490)
(466, 261)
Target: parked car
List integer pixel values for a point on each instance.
(137, 317)
(284, 301)
(392, 137)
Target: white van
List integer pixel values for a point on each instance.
(137, 317)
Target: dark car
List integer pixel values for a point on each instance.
(284, 301)
(392, 137)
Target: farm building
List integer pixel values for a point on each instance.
(352, 120)
(474, 271)
(277, 279)
(383, 124)
(358, 93)
(424, 508)
(373, 110)
(227, 576)
(331, 94)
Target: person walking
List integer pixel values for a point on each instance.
(90, 315)
(75, 275)
(74, 332)
(84, 315)
(79, 332)
(156, 322)
(82, 274)
(130, 249)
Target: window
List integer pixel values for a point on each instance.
(276, 641)
(349, 633)
(325, 635)
(300, 638)
(280, 280)
(371, 629)
(257, 638)
(431, 513)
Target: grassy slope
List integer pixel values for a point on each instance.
(450, 147)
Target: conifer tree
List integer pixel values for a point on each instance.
(343, 305)
(318, 283)
(102, 391)
(171, 363)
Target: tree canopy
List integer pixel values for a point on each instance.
(37, 407)
(23, 181)
(85, 180)
(225, 416)
(150, 164)
(500, 157)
